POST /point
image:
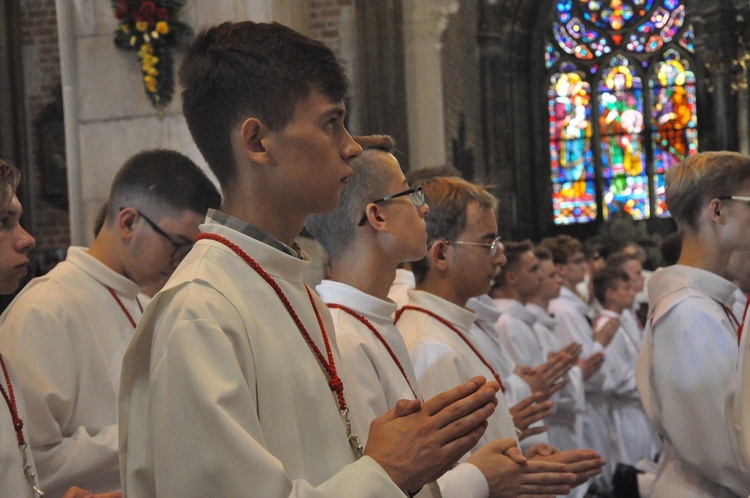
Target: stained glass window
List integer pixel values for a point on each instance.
(621, 104)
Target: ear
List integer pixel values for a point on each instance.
(126, 220)
(560, 268)
(510, 277)
(376, 217)
(437, 255)
(715, 211)
(252, 135)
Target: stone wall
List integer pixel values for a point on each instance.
(41, 78)
(114, 119)
(461, 87)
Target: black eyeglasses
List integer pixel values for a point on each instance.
(742, 198)
(180, 248)
(493, 246)
(416, 195)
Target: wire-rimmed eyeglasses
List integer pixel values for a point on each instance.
(180, 248)
(493, 246)
(416, 195)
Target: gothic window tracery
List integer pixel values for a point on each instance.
(621, 106)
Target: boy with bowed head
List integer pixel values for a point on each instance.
(66, 332)
(379, 224)
(689, 348)
(263, 408)
(18, 477)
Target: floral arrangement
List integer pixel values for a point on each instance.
(150, 28)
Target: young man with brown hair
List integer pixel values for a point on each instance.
(689, 347)
(233, 383)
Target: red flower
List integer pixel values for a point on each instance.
(162, 14)
(120, 14)
(147, 10)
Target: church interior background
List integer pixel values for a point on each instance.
(571, 109)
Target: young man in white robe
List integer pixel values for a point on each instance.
(574, 326)
(464, 255)
(565, 424)
(689, 347)
(635, 435)
(66, 332)
(376, 227)
(18, 477)
(233, 384)
(631, 265)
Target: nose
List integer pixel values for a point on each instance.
(423, 210)
(500, 258)
(25, 242)
(350, 149)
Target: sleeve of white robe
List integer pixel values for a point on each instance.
(518, 344)
(216, 438)
(36, 343)
(617, 375)
(690, 373)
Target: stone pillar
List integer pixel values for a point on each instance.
(424, 23)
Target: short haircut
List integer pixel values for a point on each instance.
(542, 253)
(618, 259)
(449, 199)
(513, 253)
(562, 247)
(10, 177)
(608, 278)
(417, 176)
(238, 70)
(161, 182)
(337, 229)
(700, 178)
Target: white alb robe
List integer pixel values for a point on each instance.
(379, 384)
(635, 435)
(515, 329)
(65, 336)
(13, 482)
(689, 349)
(565, 425)
(402, 284)
(487, 313)
(442, 360)
(222, 396)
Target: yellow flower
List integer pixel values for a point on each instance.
(162, 27)
(141, 25)
(125, 28)
(150, 82)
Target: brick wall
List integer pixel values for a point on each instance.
(327, 19)
(461, 82)
(41, 62)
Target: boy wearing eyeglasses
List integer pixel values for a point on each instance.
(65, 334)
(364, 259)
(689, 349)
(464, 255)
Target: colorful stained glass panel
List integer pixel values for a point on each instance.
(571, 156)
(623, 160)
(673, 115)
